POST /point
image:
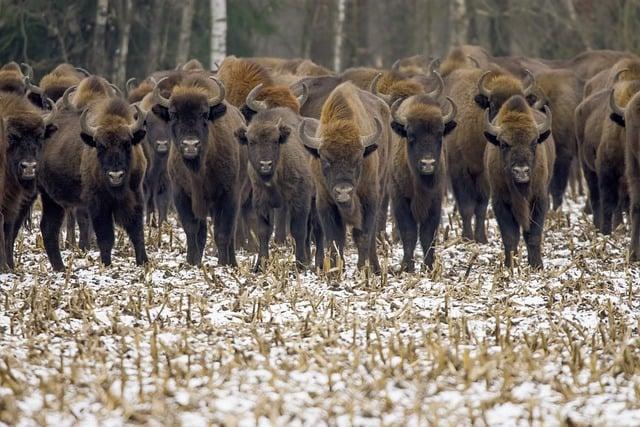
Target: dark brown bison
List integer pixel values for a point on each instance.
(23, 131)
(205, 163)
(350, 168)
(239, 76)
(95, 161)
(418, 173)
(519, 160)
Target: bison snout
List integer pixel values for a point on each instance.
(28, 169)
(116, 177)
(190, 148)
(343, 193)
(427, 166)
(162, 146)
(521, 174)
(266, 166)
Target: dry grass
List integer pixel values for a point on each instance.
(468, 344)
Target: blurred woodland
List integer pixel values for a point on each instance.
(122, 38)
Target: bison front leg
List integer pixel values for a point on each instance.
(264, 227)
(365, 238)
(70, 220)
(318, 235)
(334, 231)
(52, 217)
(300, 231)
(428, 232)
(480, 213)
(84, 227)
(465, 200)
(3, 255)
(13, 227)
(560, 178)
(134, 226)
(608, 186)
(594, 195)
(102, 220)
(281, 216)
(533, 237)
(509, 230)
(224, 229)
(634, 252)
(408, 230)
(194, 228)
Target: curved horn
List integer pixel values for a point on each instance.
(481, 89)
(490, 127)
(394, 112)
(452, 113)
(137, 125)
(474, 61)
(546, 125)
(48, 117)
(251, 101)
(28, 69)
(434, 65)
(130, 84)
(116, 89)
(529, 82)
(83, 71)
(438, 90)
(33, 88)
(65, 98)
(309, 141)
(157, 97)
(373, 138)
(178, 67)
(86, 127)
(617, 76)
(396, 65)
(373, 88)
(614, 105)
(215, 100)
(304, 96)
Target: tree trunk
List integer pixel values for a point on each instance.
(125, 18)
(309, 27)
(460, 23)
(362, 54)
(99, 42)
(339, 35)
(218, 32)
(499, 30)
(186, 23)
(155, 36)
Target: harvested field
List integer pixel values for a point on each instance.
(468, 344)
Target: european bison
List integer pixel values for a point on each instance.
(518, 162)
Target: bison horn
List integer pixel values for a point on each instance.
(304, 96)
(452, 112)
(86, 127)
(394, 112)
(83, 71)
(440, 88)
(614, 105)
(130, 84)
(158, 98)
(474, 61)
(33, 88)
(618, 75)
(396, 65)
(481, 88)
(529, 82)
(546, 125)
(373, 138)
(178, 67)
(490, 127)
(310, 141)
(48, 117)
(373, 88)
(133, 128)
(116, 89)
(215, 100)
(28, 69)
(252, 102)
(65, 98)
(434, 65)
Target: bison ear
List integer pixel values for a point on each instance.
(543, 136)
(617, 119)
(370, 149)
(285, 131)
(241, 136)
(217, 111)
(398, 129)
(50, 130)
(137, 136)
(492, 139)
(160, 111)
(482, 101)
(248, 113)
(88, 139)
(449, 126)
(314, 151)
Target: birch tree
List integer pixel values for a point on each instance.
(186, 25)
(218, 31)
(339, 36)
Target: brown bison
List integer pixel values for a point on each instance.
(95, 161)
(205, 162)
(12, 80)
(23, 131)
(350, 168)
(58, 80)
(518, 162)
(418, 174)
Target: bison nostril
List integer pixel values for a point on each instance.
(191, 142)
(28, 165)
(116, 174)
(266, 163)
(427, 162)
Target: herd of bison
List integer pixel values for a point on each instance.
(269, 146)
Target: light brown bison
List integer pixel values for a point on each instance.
(518, 162)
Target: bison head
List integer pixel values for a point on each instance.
(518, 135)
(341, 152)
(263, 140)
(423, 127)
(25, 134)
(113, 139)
(503, 88)
(158, 134)
(188, 112)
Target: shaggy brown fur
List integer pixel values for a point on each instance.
(193, 65)
(589, 63)
(362, 76)
(139, 92)
(458, 59)
(626, 69)
(11, 79)
(319, 90)
(519, 206)
(59, 79)
(310, 68)
(239, 77)
(632, 170)
(90, 89)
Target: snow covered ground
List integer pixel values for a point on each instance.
(467, 344)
